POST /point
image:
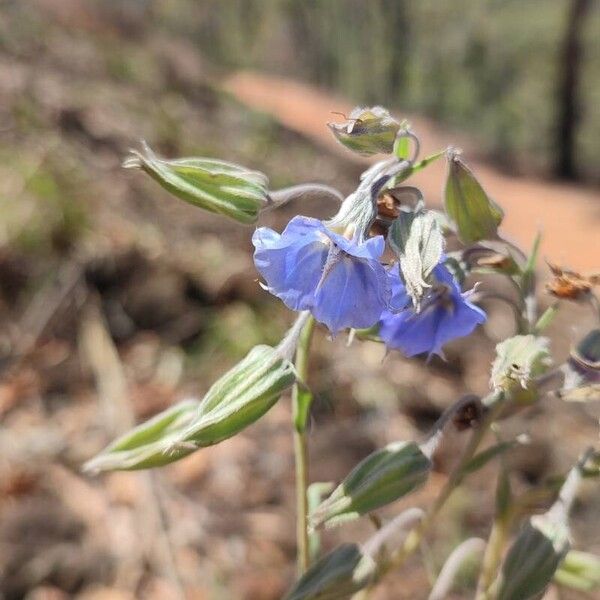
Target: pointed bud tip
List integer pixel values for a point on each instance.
(214, 185)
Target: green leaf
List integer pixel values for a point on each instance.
(483, 458)
(477, 217)
(381, 478)
(528, 275)
(367, 131)
(416, 167)
(546, 319)
(416, 239)
(214, 185)
(533, 255)
(337, 576)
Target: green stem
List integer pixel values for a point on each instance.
(301, 401)
(503, 519)
(304, 191)
(493, 554)
(518, 308)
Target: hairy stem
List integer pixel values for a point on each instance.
(517, 306)
(321, 191)
(300, 408)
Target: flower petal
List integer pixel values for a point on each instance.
(310, 267)
(371, 249)
(462, 322)
(291, 263)
(353, 294)
(412, 333)
(441, 320)
(399, 296)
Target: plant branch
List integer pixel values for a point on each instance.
(281, 197)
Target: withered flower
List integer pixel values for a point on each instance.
(570, 285)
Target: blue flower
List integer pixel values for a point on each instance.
(310, 267)
(445, 314)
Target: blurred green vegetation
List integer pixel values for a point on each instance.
(488, 67)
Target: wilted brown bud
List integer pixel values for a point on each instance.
(570, 285)
(387, 206)
(469, 414)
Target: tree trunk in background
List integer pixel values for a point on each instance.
(399, 20)
(568, 88)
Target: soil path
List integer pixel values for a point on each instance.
(568, 215)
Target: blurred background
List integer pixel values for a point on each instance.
(116, 300)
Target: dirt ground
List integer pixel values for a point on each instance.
(116, 300)
(568, 215)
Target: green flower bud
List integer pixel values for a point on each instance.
(542, 545)
(241, 396)
(151, 444)
(533, 559)
(214, 185)
(337, 576)
(367, 131)
(236, 400)
(477, 216)
(382, 477)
